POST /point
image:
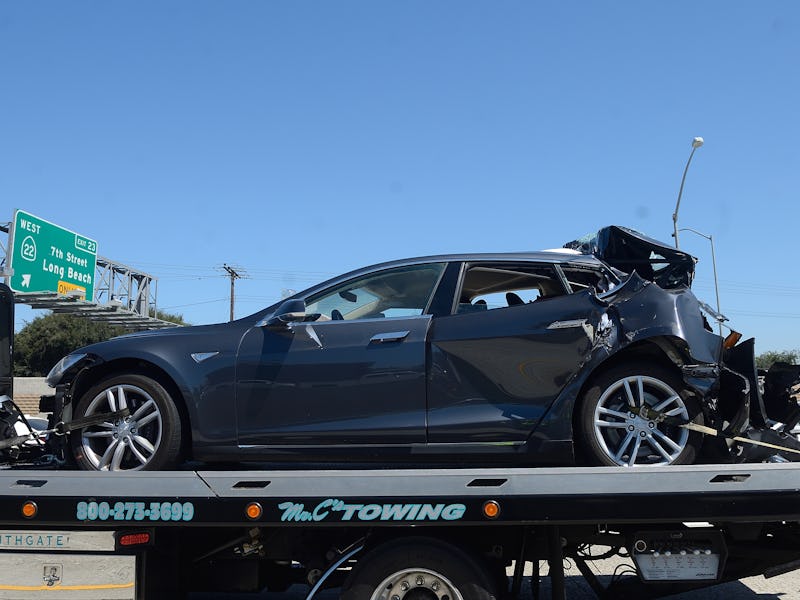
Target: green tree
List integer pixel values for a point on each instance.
(165, 316)
(765, 360)
(45, 340)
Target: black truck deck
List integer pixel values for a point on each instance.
(756, 492)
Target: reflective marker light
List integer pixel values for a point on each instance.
(253, 511)
(29, 509)
(732, 339)
(134, 539)
(491, 509)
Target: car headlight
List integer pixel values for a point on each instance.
(62, 366)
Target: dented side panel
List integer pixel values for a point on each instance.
(646, 311)
(495, 374)
(503, 375)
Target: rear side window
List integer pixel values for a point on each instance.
(488, 286)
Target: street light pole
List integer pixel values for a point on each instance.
(696, 143)
(710, 238)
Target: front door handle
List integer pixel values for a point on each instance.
(389, 336)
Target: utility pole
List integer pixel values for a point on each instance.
(234, 275)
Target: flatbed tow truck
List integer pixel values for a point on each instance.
(433, 533)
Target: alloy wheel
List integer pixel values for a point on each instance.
(627, 438)
(124, 443)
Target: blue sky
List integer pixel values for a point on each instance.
(298, 140)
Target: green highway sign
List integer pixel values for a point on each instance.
(49, 258)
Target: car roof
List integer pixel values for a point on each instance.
(566, 257)
(542, 256)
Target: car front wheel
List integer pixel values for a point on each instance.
(149, 438)
(614, 429)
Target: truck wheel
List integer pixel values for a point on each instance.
(611, 434)
(418, 569)
(148, 439)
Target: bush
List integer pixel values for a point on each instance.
(765, 360)
(45, 340)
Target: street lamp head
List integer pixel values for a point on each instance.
(700, 233)
(697, 142)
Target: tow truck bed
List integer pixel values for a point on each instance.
(526, 496)
(206, 530)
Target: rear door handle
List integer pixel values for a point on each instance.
(389, 336)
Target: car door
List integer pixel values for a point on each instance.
(497, 366)
(355, 376)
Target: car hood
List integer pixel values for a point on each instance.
(167, 331)
(156, 335)
(629, 250)
(6, 339)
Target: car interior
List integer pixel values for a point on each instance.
(487, 287)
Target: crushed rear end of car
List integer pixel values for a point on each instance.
(748, 416)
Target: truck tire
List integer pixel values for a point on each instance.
(418, 569)
(612, 435)
(149, 439)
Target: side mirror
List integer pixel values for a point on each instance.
(291, 311)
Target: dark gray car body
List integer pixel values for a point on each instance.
(499, 385)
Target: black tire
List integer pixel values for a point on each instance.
(427, 568)
(610, 435)
(149, 439)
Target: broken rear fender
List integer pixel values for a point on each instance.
(648, 312)
(645, 311)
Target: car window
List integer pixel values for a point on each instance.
(581, 278)
(499, 285)
(400, 292)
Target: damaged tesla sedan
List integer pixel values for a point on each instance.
(595, 354)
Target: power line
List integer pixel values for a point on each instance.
(746, 313)
(195, 303)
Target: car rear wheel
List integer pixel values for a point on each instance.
(418, 569)
(148, 439)
(613, 430)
